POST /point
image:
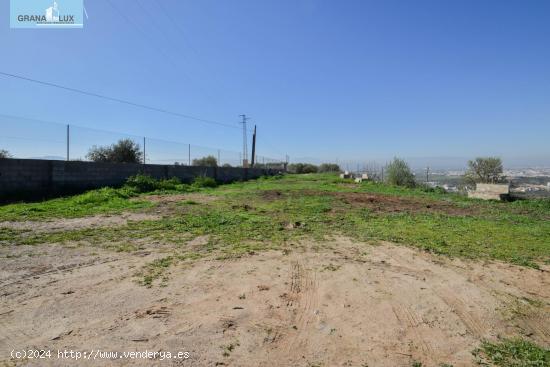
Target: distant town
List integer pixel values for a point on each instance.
(524, 182)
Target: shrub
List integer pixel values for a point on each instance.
(203, 181)
(329, 167)
(5, 154)
(226, 165)
(437, 189)
(100, 196)
(124, 151)
(302, 168)
(144, 183)
(208, 161)
(398, 173)
(484, 170)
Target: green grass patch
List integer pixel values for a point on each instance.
(264, 214)
(105, 200)
(513, 353)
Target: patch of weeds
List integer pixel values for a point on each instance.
(144, 183)
(190, 256)
(203, 181)
(155, 270)
(7, 235)
(513, 353)
(227, 349)
(189, 202)
(123, 247)
(331, 267)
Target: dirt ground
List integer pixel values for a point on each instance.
(338, 303)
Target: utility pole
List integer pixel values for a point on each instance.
(245, 146)
(144, 150)
(189, 154)
(219, 162)
(287, 158)
(427, 174)
(68, 141)
(254, 147)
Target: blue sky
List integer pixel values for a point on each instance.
(352, 79)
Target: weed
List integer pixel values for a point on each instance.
(513, 353)
(155, 270)
(203, 181)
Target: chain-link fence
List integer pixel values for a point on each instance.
(37, 139)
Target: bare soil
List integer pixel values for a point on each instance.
(338, 303)
(380, 203)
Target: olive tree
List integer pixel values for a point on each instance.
(399, 173)
(208, 161)
(124, 151)
(484, 170)
(329, 167)
(5, 154)
(302, 168)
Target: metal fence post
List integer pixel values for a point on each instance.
(68, 141)
(144, 150)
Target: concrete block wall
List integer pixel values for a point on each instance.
(35, 178)
(490, 191)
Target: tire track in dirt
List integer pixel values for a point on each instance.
(56, 270)
(475, 325)
(302, 303)
(412, 322)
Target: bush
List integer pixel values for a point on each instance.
(329, 167)
(144, 183)
(484, 170)
(5, 154)
(202, 181)
(437, 189)
(124, 151)
(302, 168)
(399, 174)
(208, 161)
(100, 196)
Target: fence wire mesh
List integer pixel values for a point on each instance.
(38, 139)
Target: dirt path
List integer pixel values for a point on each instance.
(345, 304)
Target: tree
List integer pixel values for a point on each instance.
(302, 168)
(329, 167)
(484, 170)
(399, 173)
(208, 161)
(5, 154)
(124, 151)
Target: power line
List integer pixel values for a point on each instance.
(123, 101)
(75, 128)
(166, 56)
